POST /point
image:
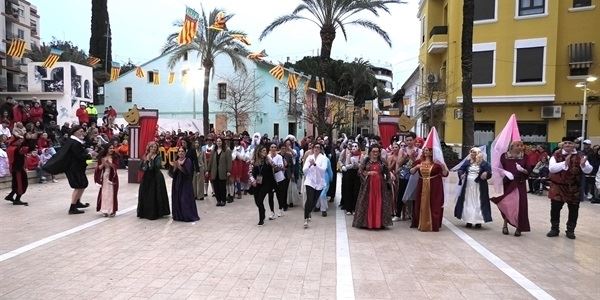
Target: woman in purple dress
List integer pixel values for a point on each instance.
(182, 192)
(513, 202)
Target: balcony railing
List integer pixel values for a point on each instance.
(438, 30)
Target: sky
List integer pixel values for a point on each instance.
(140, 27)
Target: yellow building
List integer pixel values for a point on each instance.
(528, 55)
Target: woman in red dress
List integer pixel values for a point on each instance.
(429, 203)
(374, 203)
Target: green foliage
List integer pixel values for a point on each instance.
(341, 78)
(450, 157)
(70, 53)
(127, 67)
(100, 28)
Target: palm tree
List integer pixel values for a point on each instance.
(208, 44)
(467, 67)
(329, 16)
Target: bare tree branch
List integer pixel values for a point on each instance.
(241, 99)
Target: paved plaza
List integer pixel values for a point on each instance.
(47, 254)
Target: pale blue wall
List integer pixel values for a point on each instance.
(175, 101)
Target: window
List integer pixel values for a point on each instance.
(582, 3)
(20, 34)
(276, 94)
(21, 12)
(580, 58)
(531, 7)
(150, 76)
(128, 94)
(185, 56)
(484, 10)
(275, 129)
(423, 30)
(484, 64)
(222, 91)
(530, 59)
(292, 129)
(574, 128)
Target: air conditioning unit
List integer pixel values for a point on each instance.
(551, 112)
(433, 78)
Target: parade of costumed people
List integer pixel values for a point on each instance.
(374, 204)
(510, 171)
(566, 167)
(428, 209)
(473, 204)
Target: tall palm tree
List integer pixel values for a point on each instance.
(329, 16)
(208, 44)
(468, 121)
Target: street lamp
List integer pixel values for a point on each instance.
(584, 84)
(195, 77)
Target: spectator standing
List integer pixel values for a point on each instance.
(112, 115)
(82, 115)
(50, 112)
(36, 113)
(92, 112)
(4, 129)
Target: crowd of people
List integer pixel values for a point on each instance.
(379, 186)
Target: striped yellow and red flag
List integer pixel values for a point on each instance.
(189, 28)
(93, 61)
(52, 58)
(139, 73)
(171, 77)
(292, 81)
(17, 49)
(115, 71)
(278, 71)
(242, 38)
(307, 83)
(155, 78)
(318, 85)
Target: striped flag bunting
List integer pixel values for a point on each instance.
(241, 38)
(93, 61)
(257, 56)
(278, 71)
(115, 71)
(139, 73)
(155, 78)
(52, 58)
(220, 22)
(307, 83)
(318, 85)
(171, 77)
(292, 81)
(189, 28)
(17, 49)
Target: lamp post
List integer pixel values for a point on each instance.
(584, 84)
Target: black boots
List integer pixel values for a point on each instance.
(570, 234)
(553, 232)
(81, 205)
(15, 201)
(74, 211)
(9, 197)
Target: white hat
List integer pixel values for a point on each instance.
(587, 142)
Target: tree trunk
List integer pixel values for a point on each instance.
(100, 28)
(327, 36)
(205, 111)
(468, 120)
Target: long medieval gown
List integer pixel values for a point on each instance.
(153, 200)
(513, 203)
(429, 198)
(374, 203)
(182, 194)
(473, 204)
(108, 180)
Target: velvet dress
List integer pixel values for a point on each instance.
(108, 180)
(182, 193)
(513, 203)
(153, 200)
(374, 203)
(429, 198)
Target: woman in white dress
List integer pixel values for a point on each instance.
(473, 204)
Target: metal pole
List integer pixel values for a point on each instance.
(583, 113)
(106, 54)
(194, 103)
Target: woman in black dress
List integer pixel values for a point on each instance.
(153, 201)
(262, 180)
